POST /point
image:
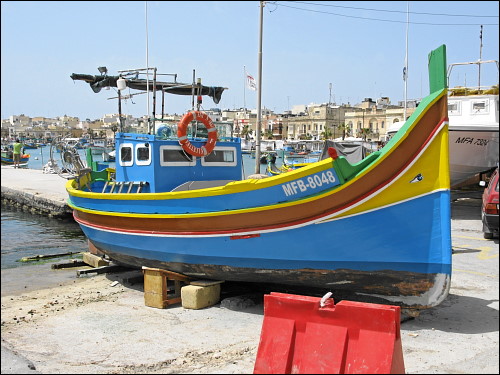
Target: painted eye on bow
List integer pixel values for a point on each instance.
(417, 178)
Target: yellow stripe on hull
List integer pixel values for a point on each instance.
(432, 165)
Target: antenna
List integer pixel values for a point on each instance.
(480, 55)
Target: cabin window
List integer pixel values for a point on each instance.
(220, 157)
(479, 106)
(175, 156)
(454, 108)
(143, 154)
(126, 154)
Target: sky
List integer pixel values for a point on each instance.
(312, 52)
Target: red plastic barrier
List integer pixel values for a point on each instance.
(300, 337)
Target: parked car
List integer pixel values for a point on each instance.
(489, 207)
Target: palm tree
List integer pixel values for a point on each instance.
(364, 133)
(345, 130)
(246, 132)
(327, 134)
(268, 134)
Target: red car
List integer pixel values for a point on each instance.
(489, 208)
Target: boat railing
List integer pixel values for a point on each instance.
(465, 91)
(473, 89)
(119, 186)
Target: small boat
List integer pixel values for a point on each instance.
(7, 156)
(30, 145)
(98, 146)
(379, 229)
(353, 151)
(268, 157)
(109, 156)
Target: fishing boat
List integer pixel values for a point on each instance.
(378, 229)
(473, 128)
(30, 145)
(7, 156)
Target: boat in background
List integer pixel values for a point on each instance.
(7, 156)
(474, 128)
(353, 150)
(30, 145)
(182, 204)
(247, 146)
(109, 156)
(99, 145)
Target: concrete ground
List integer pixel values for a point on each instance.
(63, 324)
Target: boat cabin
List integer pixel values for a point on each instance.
(157, 163)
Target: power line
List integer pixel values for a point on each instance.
(385, 20)
(390, 11)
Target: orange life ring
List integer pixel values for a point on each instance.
(208, 147)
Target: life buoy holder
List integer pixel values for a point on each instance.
(187, 146)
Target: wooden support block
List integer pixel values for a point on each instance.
(162, 287)
(94, 260)
(99, 270)
(72, 263)
(197, 297)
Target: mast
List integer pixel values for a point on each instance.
(259, 93)
(405, 72)
(154, 99)
(147, 67)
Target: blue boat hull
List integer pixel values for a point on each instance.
(334, 254)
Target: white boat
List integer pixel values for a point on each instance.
(109, 156)
(247, 145)
(473, 128)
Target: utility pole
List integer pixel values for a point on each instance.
(259, 95)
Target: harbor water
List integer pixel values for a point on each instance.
(27, 235)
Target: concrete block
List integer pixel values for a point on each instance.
(197, 297)
(94, 260)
